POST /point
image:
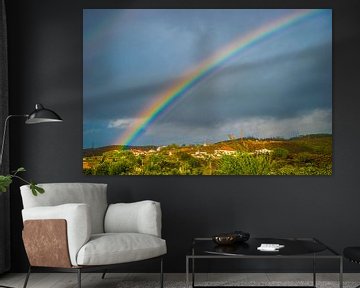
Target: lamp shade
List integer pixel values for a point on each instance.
(42, 115)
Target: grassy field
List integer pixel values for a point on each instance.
(305, 155)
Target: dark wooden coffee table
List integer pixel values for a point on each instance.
(294, 248)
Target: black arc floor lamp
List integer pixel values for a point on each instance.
(39, 115)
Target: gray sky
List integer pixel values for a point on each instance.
(280, 87)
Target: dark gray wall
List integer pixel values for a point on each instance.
(45, 49)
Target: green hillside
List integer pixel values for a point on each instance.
(305, 155)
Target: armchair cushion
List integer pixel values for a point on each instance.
(93, 194)
(138, 217)
(78, 221)
(113, 248)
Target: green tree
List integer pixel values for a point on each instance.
(304, 170)
(280, 153)
(244, 164)
(102, 168)
(305, 157)
(122, 167)
(87, 171)
(155, 164)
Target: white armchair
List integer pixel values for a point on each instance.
(72, 228)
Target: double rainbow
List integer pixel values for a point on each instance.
(163, 101)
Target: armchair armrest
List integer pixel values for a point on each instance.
(138, 217)
(78, 223)
(52, 250)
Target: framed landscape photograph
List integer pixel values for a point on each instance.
(207, 91)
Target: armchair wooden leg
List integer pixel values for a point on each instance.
(103, 275)
(27, 277)
(79, 277)
(161, 273)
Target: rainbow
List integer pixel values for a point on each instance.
(212, 64)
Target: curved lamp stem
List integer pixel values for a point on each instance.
(4, 134)
(39, 115)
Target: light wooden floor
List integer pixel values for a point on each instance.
(113, 280)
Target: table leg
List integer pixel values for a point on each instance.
(341, 273)
(314, 271)
(193, 267)
(193, 272)
(187, 272)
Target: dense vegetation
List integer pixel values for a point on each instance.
(306, 155)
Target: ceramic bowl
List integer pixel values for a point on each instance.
(225, 239)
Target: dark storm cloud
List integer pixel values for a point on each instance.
(123, 102)
(282, 95)
(209, 96)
